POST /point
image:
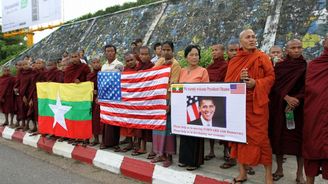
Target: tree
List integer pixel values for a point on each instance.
(10, 47)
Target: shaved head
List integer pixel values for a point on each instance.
(293, 41)
(217, 51)
(248, 40)
(294, 48)
(275, 52)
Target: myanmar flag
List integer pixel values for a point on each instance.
(65, 109)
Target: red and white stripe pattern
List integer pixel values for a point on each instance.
(143, 103)
(192, 108)
(110, 161)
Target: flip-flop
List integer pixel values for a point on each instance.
(250, 171)
(209, 157)
(94, 143)
(151, 156)
(138, 153)
(167, 163)
(227, 165)
(117, 149)
(191, 168)
(277, 177)
(239, 181)
(158, 159)
(126, 149)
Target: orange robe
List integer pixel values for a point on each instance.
(257, 150)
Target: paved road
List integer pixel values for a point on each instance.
(20, 164)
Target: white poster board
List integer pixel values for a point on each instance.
(209, 110)
(17, 14)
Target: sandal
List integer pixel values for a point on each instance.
(227, 165)
(136, 153)
(102, 146)
(209, 157)
(239, 181)
(151, 156)
(277, 177)
(191, 168)
(167, 163)
(158, 159)
(226, 158)
(94, 143)
(126, 149)
(117, 149)
(250, 171)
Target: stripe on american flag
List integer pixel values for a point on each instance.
(143, 104)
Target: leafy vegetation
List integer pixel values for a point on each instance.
(11, 47)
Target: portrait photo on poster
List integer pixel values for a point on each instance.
(206, 111)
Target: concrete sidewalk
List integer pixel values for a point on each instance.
(138, 167)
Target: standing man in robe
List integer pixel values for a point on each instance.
(93, 76)
(7, 107)
(255, 69)
(315, 150)
(216, 71)
(275, 54)
(76, 71)
(24, 82)
(287, 94)
(52, 73)
(146, 135)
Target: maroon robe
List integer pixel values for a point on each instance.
(54, 75)
(217, 70)
(37, 76)
(146, 134)
(290, 80)
(144, 65)
(78, 71)
(315, 132)
(24, 81)
(7, 83)
(96, 127)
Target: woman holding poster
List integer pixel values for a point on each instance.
(192, 148)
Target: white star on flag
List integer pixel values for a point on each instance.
(59, 111)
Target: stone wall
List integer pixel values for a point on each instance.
(202, 22)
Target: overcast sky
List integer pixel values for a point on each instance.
(76, 8)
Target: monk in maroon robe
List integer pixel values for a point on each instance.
(147, 135)
(287, 94)
(7, 82)
(76, 71)
(315, 132)
(129, 133)
(53, 74)
(24, 81)
(96, 128)
(18, 66)
(37, 76)
(216, 72)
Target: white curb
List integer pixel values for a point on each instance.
(108, 161)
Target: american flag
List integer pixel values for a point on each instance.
(237, 88)
(192, 108)
(134, 99)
